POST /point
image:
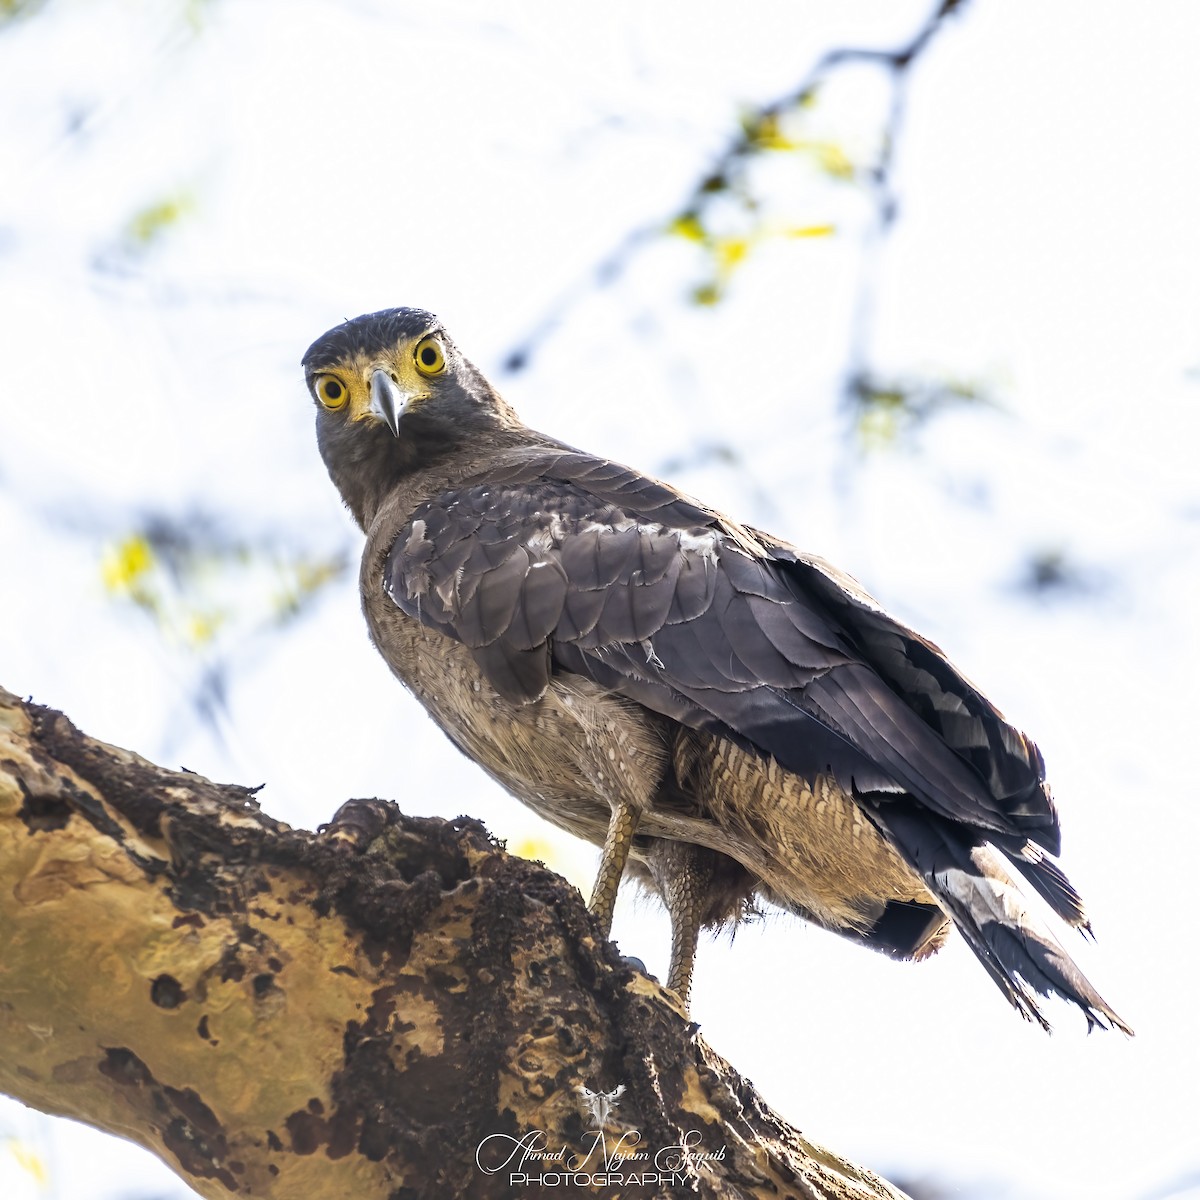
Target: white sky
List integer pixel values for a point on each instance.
(477, 161)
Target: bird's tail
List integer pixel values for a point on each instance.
(975, 890)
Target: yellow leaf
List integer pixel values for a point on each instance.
(125, 563)
(776, 141)
(10, 9)
(809, 231)
(766, 133)
(833, 159)
(878, 427)
(687, 225)
(729, 252)
(150, 222)
(311, 576)
(27, 1160)
(200, 628)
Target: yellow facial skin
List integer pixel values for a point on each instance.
(411, 365)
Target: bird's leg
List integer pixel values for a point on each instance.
(685, 933)
(684, 874)
(622, 825)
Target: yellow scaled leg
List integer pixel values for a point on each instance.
(621, 827)
(683, 874)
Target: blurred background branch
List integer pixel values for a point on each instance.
(727, 217)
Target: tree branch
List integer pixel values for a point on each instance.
(391, 1009)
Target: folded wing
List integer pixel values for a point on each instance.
(560, 562)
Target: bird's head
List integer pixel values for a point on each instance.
(393, 394)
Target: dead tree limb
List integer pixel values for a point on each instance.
(396, 1008)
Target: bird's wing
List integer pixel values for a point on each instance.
(917, 670)
(559, 561)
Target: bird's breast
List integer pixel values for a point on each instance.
(566, 755)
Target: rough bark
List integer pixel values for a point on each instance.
(276, 1013)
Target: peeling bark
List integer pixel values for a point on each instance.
(372, 1012)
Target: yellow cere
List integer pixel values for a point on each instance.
(346, 385)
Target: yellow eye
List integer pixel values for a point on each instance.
(429, 356)
(331, 391)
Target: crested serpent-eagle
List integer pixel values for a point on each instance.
(731, 719)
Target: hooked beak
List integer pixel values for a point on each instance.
(387, 400)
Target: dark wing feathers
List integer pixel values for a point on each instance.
(513, 672)
(567, 550)
(1052, 885)
(557, 561)
(852, 702)
(919, 673)
(489, 613)
(580, 615)
(1015, 948)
